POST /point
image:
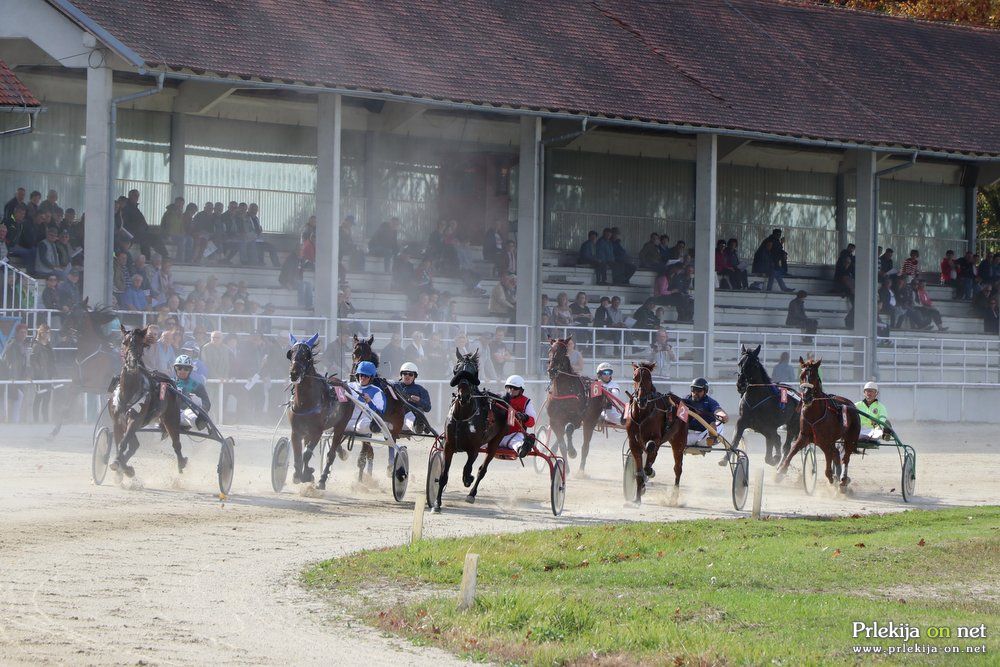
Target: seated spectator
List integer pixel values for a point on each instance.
(69, 291)
(644, 316)
(724, 272)
(843, 272)
(797, 314)
(924, 311)
(487, 372)
(602, 316)
(499, 352)
(764, 265)
(650, 256)
(134, 297)
(216, 356)
(737, 266)
(678, 253)
(507, 260)
(49, 260)
(981, 299)
(778, 253)
(911, 266)
(14, 202)
(904, 302)
(886, 266)
(415, 351)
(665, 249)
(667, 293)
(385, 242)
(20, 242)
(403, 273)
(437, 357)
(622, 268)
(991, 318)
(575, 357)
(562, 314)
(172, 227)
(202, 231)
(135, 224)
(260, 246)
(50, 295)
(783, 371)
(502, 299)
(887, 302)
(423, 278)
(582, 317)
(65, 249)
(420, 310)
(392, 356)
(588, 256)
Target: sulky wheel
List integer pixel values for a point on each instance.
(435, 469)
(227, 461)
(809, 469)
(279, 464)
(909, 476)
(400, 474)
(102, 454)
(558, 494)
(629, 484)
(741, 481)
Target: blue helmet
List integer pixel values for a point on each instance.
(367, 368)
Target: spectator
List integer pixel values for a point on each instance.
(420, 310)
(797, 314)
(949, 269)
(563, 315)
(43, 367)
(574, 355)
(135, 224)
(74, 227)
(887, 301)
(69, 291)
(606, 254)
(678, 254)
(904, 302)
(507, 261)
(667, 293)
(216, 356)
(14, 366)
(650, 256)
(415, 351)
(203, 230)
(644, 316)
(189, 233)
(723, 270)
(843, 272)
(19, 242)
(991, 319)
(580, 311)
(736, 265)
(622, 269)
(885, 264)
(924, 308)
(34, 200)
(134, 297)
(499, 353)
(14, 202)
(661, 353)
(981, 299)
(778, 253)
(911, 266)
(172, 225)
(437, 356)
(602, 316)
(967, 269)
(392, 356)
(783, 371)
(764, 265)
(492, 244)
(502, 299)
(385, 242)
(50, 295)
(487, 372)
(51, 203)
(63, 248)
(3, 243)
(589, 256)
(141, 269)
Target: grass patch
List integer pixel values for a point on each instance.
(700, 592)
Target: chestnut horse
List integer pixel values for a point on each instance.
(569, 403)
(824, 419)
(651, 420)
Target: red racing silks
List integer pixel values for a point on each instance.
(511, 417)
(595, 389)
(341, 397)
(784, 395)
(682, 411)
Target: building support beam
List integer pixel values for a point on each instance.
(178, 141)
(328, 137)
(840, 212)
(198, 97)
(529, 238)
(706, 190)
(971, 213)
(99, 239)
(866, 237)
(372, 218)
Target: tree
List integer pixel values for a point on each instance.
(972, 12)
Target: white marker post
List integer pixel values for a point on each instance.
(417, 531)
(758, 491)
(467, 594)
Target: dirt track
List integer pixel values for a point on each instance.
(164, 572)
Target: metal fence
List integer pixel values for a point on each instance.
(21, 292)
(939, 360)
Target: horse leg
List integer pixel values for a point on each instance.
(335, 449)
(311, 441)
(365, 459)
(773, 455)
(640, 476)
(171, 422)
(568, 430)
(678, 451)
(132, 440)
(831, 455)
(467, 478)
(297, 455)
(448, 453)
(471, 498)
(651, 450)
(800, 442)
(740, 429)
(589, 424)
(848, 451)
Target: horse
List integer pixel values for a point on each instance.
(824, 419)
(651, 420)
(315, 408)
(140, 397)
(95, 361)
(395, 407)
(569, 403)
(475, 418)
(761, 406)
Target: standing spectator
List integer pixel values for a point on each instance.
(778, 253)
(392, 356)
(967, 269)
(797, 314)
(14, 202)
(203, 230)
(622, 269)
(216, 356)
(924, 307)
(3, 243)
(14, 366)
(783, 371)
(507, 261)
(843, 272)
(949, 270)
(886, 267)
(502, 299)
(991, 319)
(136, 225)
(911, 266)
(189, 233)
(661, 353)
(43, 367)
(606, 253)
(34, 200)
(172, 226)
(492, 244)
(385, 242)
(589, 256)
(499, 353)
(51, 202)
(723, 270)
(763, 264)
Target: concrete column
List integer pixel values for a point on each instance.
(178, 140)
(866, 237)
(840, 214)
(328, 124)
(971, 193)
(97, 188)
(529, 237)
(705, 234)
(371, 219)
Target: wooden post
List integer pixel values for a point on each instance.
(758, 492)
(417, 531)
(467, 594)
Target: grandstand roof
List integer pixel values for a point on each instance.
(13, 93)
(777, 67)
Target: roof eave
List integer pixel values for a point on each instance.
(109, 40)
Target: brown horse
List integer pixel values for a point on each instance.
(569, 404)
(315, 408)
(825, 419)
(651, 420)
(141, 397)
(395, 407)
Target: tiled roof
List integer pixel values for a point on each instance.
(773, 66)
(13, 93)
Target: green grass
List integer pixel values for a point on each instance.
(701, 592)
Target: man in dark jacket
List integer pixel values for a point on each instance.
(588, 256)
(797, 314)
(385, 242)
(417, 398)
(135, 224)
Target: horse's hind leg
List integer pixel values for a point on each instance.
(848, 451)
(569, 429)
(800, 443)
(171, 422)
(471, 498)
(365, 460)
(830, 453)
(336, 446)
(636, 451)
(132, 441)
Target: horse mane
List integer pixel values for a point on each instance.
(648, 365)
(760, 365)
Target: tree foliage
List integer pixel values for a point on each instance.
(973, 12)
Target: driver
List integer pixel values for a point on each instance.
(611, 413)
(369, 394)
(871, 430)
(417, 397)
(524, 417)
(706, 407)
(194, 390)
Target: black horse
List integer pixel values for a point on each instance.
(764, 407)
(475, 418)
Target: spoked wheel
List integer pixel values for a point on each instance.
(227, 461)
(279, 464)
(909, 476)
(400, 474)
(741, 481)
(809, 469)
(629, 484)
(558, 494)
(435, 468)
(102, 454)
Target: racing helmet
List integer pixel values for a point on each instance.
(514, 381)
(871, 385)
(700, 383)
(409, 367)
(366, 368)
(183, 361)
(605, 366)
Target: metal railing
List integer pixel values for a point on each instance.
(298, 325)
(21, 292)
(939, 360)
(843, 357)
(620, 347)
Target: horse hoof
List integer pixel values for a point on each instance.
(779, 477)
(128, 470)
(182, 463)
(436, 509)
(467, 481)
(307, 475)
(470, 499)
(650, 473)
(296, 477)
(322, 484)
(113, 467)
(572, 452)
(341, 453)
(724, 461)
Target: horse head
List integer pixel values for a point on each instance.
(301, 354)
(810, 384)
(465, 375)
(134, 344)
(642, 378)
(559, 357)
(751, 370)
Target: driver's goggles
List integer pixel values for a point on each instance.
(408, 374)
(604, 372)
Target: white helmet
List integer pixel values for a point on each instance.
(514, 381)
(871, 385)
(605, 366)
(409, 367)
(183, 361)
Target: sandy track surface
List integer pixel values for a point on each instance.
(162, 571)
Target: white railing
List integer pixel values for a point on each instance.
(20, 291)
(939, 360)
(843, 357)
(271, 325)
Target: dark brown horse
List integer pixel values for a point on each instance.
(395, 407)
(316, 407)
(825, 419)
(141, 397)
(651, 420)
(569, 404)
(475, 419)
(95, 362)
